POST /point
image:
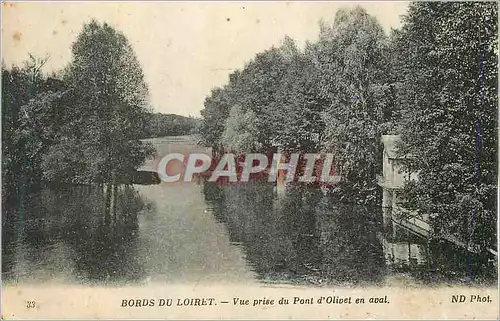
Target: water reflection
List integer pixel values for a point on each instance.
(66, 234)
(216, 233)
(302, 237)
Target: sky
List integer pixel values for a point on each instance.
(185, 48)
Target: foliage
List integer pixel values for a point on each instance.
(447, 57)
(109, 107)
(82, 126)
(354, 74)
(434, 81)
(22, 88)
(214, 114)
(240, 132)
(161, 125)
(327, 97)
(299, 126)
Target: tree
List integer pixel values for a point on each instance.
(14, 95)
(161, 125)
(268, 92)
(214, 114)
(257, 88)
(109, 101)
(240, 133)
(351, 59)
(331, 96)
(447, 58)
(22, 142)
(299, 126)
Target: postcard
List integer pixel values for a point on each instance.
(249, 160)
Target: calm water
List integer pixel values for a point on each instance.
(210, 233)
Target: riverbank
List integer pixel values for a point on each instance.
(205, 232)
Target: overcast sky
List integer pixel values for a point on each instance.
(185, 48)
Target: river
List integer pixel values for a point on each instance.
(207, 233)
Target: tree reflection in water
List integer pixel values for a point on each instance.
(68, 230)
(302, 237)
(299, 237)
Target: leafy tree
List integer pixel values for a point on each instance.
(22, 144)
(14, 95)
(257, 89)
(447, 55)
(299, 125)
(331, 96)
(214, 114)
(351, 57)
(110, 103)
(262, 90)
(161, 125)
(240, 133)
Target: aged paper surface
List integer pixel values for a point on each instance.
(249, 160)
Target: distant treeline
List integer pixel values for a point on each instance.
(160, 125)
(434, 81)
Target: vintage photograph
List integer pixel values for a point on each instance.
(249, 159)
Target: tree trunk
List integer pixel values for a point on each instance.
(107, 204)
(115, 192)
